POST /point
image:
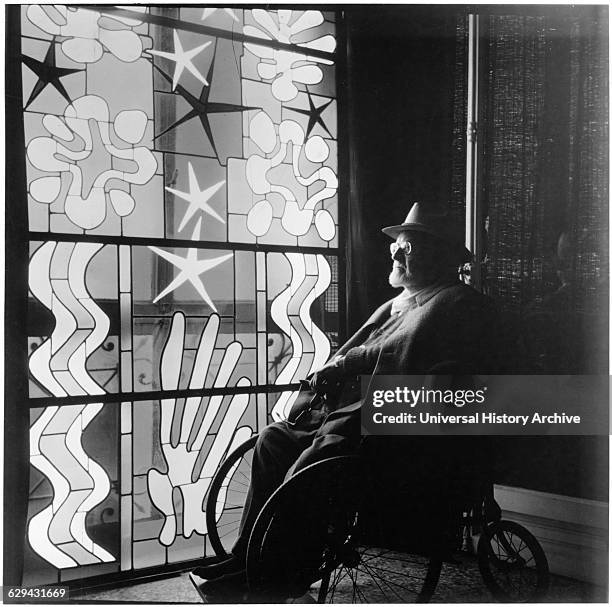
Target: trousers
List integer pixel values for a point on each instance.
(283, 449)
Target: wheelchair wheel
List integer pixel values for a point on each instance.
(512, 563)
(374, 575)
(226, 497)
(307, 537)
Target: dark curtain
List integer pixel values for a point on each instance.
(545, 183)
(546, 161)
(405, 104)
(544, 174)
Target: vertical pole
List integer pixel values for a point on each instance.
(473, 212)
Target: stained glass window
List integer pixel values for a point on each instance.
(182, 195)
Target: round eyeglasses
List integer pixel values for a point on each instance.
(394, 247)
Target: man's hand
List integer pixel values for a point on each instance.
(328, 378)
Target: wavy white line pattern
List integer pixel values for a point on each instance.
(290, 310)
(58, 532)
(57, 279)
(40, 286)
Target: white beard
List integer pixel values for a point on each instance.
(397, 278)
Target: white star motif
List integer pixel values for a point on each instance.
(190, 269)
(182, 58)
(209, 11)
(197, 198)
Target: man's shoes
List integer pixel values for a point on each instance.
(217, 568)
(230, 585)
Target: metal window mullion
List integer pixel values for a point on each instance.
(145, 241)
(473, 202)
(343, 174)
(157, 395)
(16, 416)
(206, 30)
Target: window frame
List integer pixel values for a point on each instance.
(18, 237)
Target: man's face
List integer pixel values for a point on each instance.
(413, 261)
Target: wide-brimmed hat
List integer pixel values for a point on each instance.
(435, 224)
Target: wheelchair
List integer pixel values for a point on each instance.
(323, 531)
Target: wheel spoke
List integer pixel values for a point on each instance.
(336, 572)
(525, 548)
(332, 587)
(389, 583)
(512, 543)
(229, 532)
(246, 478)
(247, 485)
(374, 577)
(404, 573)
(375, 580)
(337, 579)
(498, 546)
(354, 585)
(228, 523)
(377, 553)
(364, 599)
(394, 583)
(234, 525)
(233, 489)
(513, 565)
(356, 589)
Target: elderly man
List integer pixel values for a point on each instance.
(435, 325)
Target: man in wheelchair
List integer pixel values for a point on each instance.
(436, 325)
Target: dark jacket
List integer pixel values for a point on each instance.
(450, 325)
(451, 329)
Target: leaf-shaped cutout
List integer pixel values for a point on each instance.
(259, 218)
(46, 189)
(122, 202)
(325, 225)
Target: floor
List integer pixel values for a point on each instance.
(460, 582)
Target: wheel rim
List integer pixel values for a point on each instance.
(292, 542)
(294, 549)
(316, 554)
(513, 563)
(227, 496)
